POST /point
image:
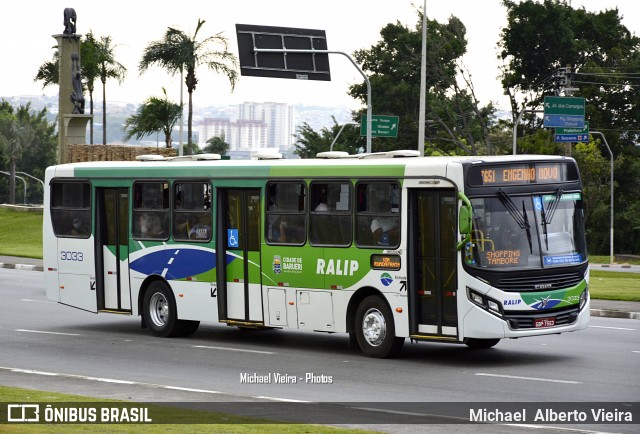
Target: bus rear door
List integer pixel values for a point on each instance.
(112, 249)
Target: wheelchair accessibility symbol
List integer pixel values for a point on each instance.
(537, 201)
(232, 238)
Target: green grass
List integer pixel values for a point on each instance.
(612, 285)
(21, 233)
(173, 419)
(607, 259)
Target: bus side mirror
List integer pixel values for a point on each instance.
(464, 223)
(464, 220)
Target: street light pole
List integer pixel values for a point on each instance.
(24, 201)
(515, 126)
(611, 193)
(423, 80)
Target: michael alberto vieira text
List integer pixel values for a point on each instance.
(593, 415)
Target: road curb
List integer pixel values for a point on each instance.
(615, 314)
(27, 267)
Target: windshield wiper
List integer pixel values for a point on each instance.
(521, 219)
(548, 216)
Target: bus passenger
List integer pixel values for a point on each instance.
(78, 229)
(385, 229)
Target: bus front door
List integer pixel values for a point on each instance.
(432, 268)
(239, 282)
(112, 250)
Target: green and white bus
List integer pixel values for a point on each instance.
(382, 246)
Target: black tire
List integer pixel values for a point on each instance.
(481, 343)
(375, 329)
(160, 313)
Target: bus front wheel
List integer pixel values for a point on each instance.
(161, 314)
(481, 343)
(375, 329)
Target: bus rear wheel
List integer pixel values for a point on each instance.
(375, 329)
(161, 314)
(481, 343)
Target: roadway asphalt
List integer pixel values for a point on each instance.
(604, 308)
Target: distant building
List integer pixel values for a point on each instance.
(258, 126)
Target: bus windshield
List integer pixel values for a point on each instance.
(527, 231)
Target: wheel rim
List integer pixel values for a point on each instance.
(374, 327)
(159, 309)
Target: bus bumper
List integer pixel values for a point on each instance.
(480, 324)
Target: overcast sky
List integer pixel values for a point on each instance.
(28, 26)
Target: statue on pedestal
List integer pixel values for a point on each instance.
(70, 19)
(77, 97)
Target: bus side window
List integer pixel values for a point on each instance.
(285, 213)
(330, 220)
(192, 211)
(150, 210)
(378, 214)
(71, 209)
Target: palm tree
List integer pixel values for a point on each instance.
(177, 52)
(217, 145)
(49, 71)
(90, 72)
(154, 115)
(108, 67)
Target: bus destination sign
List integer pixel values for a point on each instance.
(519, 174)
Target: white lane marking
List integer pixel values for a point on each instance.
(101, 380)
(611, 328)
(28, 300)
(171, 261)
(270, 398)
(232, 349)
(529, 378)
(403, 413)
(555, 428)
(48, 333)
(187, 389)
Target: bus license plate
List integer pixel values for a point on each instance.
(545, 322)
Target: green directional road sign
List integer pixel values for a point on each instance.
(564, 112)
(563, 105)
(572, 134)
(381, 126)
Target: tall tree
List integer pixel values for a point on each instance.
(15, 135)
(178, 52)
(153, 116)
(89, 63)
(456, 122)
(30, 156)
(310, 142)
(107, 67)
(602, 55)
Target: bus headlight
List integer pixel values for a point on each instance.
(583, 298)
(487, 303)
